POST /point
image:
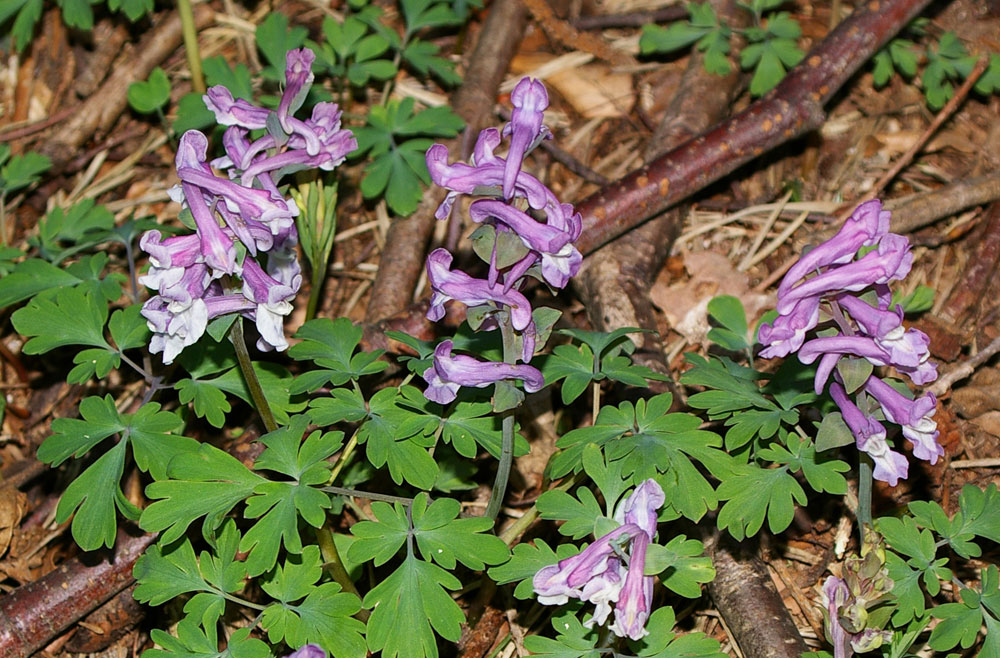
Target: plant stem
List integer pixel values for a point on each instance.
(190, 33)
(352, 443)
(506, 427)
(864, 511)
(250, 376)
(596, 401)
(370, 495)
(335, 565)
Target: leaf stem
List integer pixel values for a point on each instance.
(335, 565)
(352, 443)
(864, 511)
(250, 376)
(520, 526)
(370, 495)
(243, 602)
(506, 427)
(190, 33)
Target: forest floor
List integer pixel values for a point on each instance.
(733, 236)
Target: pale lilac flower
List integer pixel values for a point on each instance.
(176, 325)
(450, 372)
(560, 259)
(597, 574)
(890, 466)
(636, 597)
(786, 333)
(915, 416)
(865, 227)
(889, 262)
(451, 284)
(272, 300)
(238, 112)
(835, 596)
(529, 99)
(298, 80)
(308, 651)
(642, 506)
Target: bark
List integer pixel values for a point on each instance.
(791, 109)
(406, 240)
(615, 279)
(33, 614)
(99, 112)
(763, 627)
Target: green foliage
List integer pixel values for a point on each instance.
(771, 51)
(20, 171)
(772, 42)
(64, 233)
(652, 443)
(76, 14)
(395, 139)
(274, 39)
(354, 48)
(599, 356)
(306, 611)
(147, 96)
(331, 345)
(95, 494)
(703, 29)
(574, 640)
(948, 62)
(960, 622)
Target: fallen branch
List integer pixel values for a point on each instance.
(33, 614)
(791, 109)
(402, 258)
(99, 112)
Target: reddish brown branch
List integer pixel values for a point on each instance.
(791, 109)
(406, 241)
(33, 614)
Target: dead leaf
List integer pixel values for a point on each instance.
(594, 90)
(685, 305)
(11, 510)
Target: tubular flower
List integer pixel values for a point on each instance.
(517, 203)
(449, 373)
(598, 575)
(196, 275)
(871, 331)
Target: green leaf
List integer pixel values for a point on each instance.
(210, 403)
(323, 617)
(444, 538)
(28, 14)
(407, 605)
(581, 513)
(274, 39)
(526, 560)
(147, 96)
(134, 9)
(331, 345)
(755, 492)
(192, 114)
(279, 505)
(208, 482)
(22, 170)
(920, 300)
(687, 567)
(194, 641)
(128, 328)
(236, 80)
(833, 432)
(572, 640)
(574, 365)
(424, 57)
(31, 277)
(728, 312)
(380, 540)
(658, 39)
(69, 317)
(304, 461)
(93, 501)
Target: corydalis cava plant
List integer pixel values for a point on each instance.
(852, 293)
(611, 570)
(521, 244)
(245, 226)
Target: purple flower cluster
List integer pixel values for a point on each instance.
(872, 332)
(194, 275)
(515, 200)
(603, 573)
